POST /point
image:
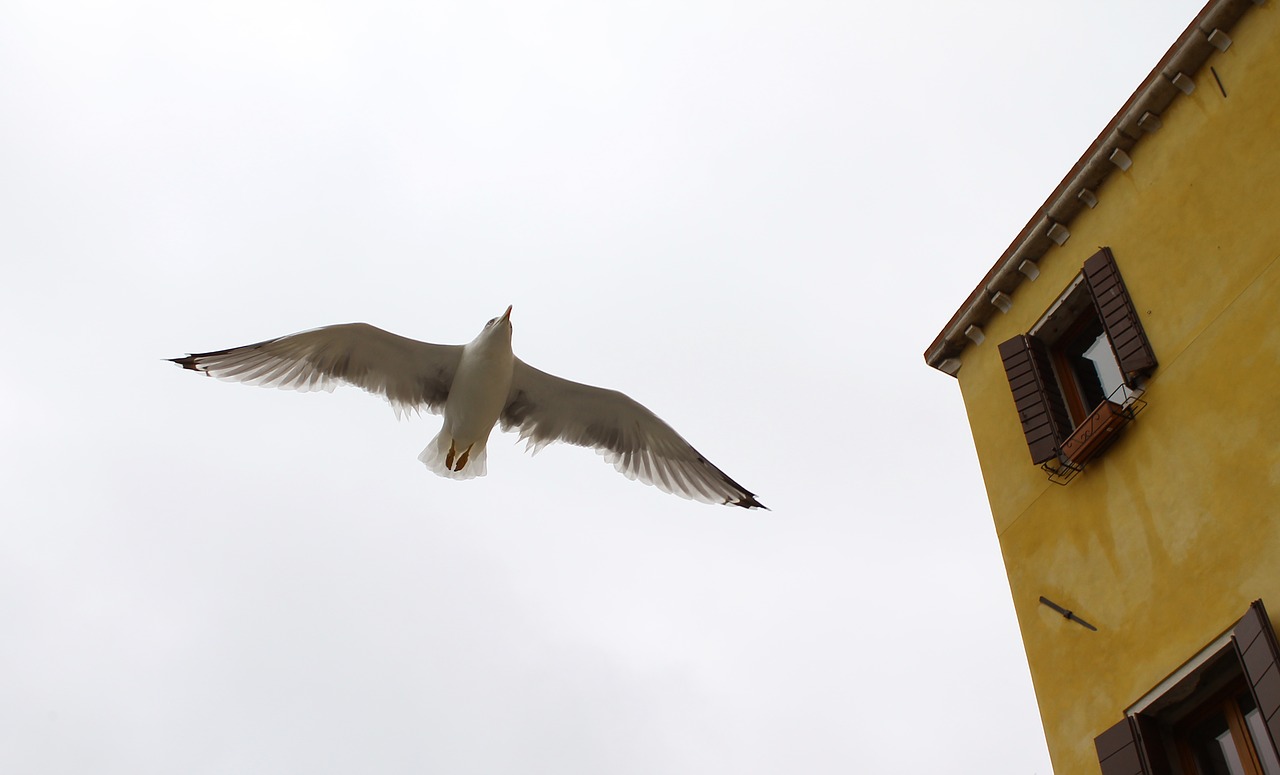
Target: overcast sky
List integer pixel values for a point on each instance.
(750, 216)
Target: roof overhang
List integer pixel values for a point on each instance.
(1109, 154)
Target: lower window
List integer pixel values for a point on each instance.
(1218, 715)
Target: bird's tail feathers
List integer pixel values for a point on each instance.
(444, 458)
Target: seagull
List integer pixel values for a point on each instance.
(475, 387)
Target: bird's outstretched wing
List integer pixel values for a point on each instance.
(546, 408)
(411, 374)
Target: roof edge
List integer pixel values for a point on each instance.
(1107, 155)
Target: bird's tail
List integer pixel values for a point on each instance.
(444, 458)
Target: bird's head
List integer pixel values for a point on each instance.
(498, 327)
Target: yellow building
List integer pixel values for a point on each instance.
(1120, 367)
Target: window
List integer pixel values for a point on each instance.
(1074, 374)
(1082, 358)
(1221, 716)
(1226, 736)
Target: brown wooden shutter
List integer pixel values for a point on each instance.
(1041, 408)
(1119, 318)
(1119, 750)
(1132, 747)
(1260, 657)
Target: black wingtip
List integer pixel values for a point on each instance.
(187, 362)
(749, 502)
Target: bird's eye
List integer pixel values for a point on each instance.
(491, 322)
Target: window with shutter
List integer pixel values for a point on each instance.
(1075, 375)
(1219, 718)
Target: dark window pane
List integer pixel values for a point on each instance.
(1214, 748)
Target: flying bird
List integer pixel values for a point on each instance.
(475, 387)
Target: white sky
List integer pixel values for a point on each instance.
(752, 217)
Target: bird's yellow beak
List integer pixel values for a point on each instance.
(506, 315)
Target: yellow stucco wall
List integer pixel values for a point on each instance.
(1164, 541)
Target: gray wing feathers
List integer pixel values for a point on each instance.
(546, 408)
(409, 373)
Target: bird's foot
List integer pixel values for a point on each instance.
(462, 459)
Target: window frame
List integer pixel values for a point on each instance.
(1079, 406)
(1057, 421)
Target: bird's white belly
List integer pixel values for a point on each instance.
(477, 396)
